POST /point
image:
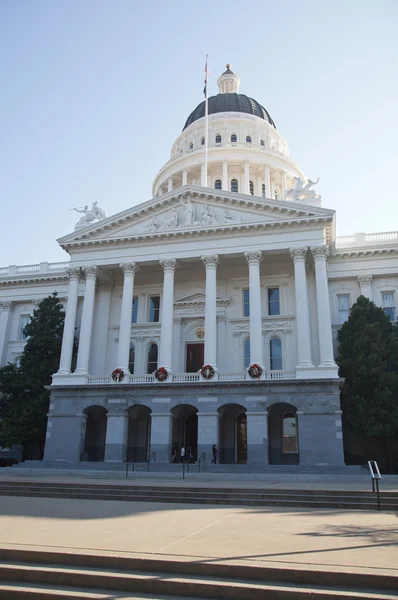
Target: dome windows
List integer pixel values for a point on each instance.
(190, 146)
(248, 139)
(218, 138)
(218, 184)
(202, 141)
(263, 190)
(251, 188)
(234, 139)
(262, 143)
(234, 185)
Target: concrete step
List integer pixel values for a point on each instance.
(76, 573)
(19, 591)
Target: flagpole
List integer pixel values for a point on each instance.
(204, 183)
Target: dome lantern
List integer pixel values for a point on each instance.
(228, 82)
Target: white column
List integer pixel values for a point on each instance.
(225, 182)
(246, 177)
(259, 185)
(302, 315)
(6, 310)
(170, 184)
(123, 351)
(176, 363)
(323, 307)
(184, 177)
(365, 283)
(83, 355)
(284, 183)
(70, 323)
(256, 334)
(202, 176)
(210, 357)
(166, 328)
(116, 435)
(267, 181)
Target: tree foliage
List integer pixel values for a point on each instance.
(24, 398)
(368, 359)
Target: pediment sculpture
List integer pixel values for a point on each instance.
(301, 192)
(96, 213)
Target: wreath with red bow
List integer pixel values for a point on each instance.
(255, 371)
(117, 375)
(207, 371)
(161, 374)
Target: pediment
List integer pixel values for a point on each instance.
(191, 211)
(198, 299)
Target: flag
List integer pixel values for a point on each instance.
(206, 77)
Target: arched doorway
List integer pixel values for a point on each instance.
(94, 440)
(139, 433)
(185, 429)
(233, 434)
(283, 434)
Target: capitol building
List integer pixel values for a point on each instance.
(207, 314)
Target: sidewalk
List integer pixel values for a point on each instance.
(310, 538)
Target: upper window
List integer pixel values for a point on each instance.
(388, 304)
(218, 138)
(234, 139)
(152, 358)
(246, 354)
(218, 184)
(202, 141)
(154, 309)
(234, 185)
(248, 139)
(275, 352)
(289, 430)
(276, 194)
(251, 188)
(191, 146)
(131, 359)
(343, 302)
(262, 143)
(24, 320)
(263, 190)
(246, 303)
(134, 311)
(273, 301)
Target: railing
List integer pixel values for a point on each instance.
(128, 464)
(186, 377)
(96, 380)
(375, 475)
(272, 375)
(367, 239)
(192, 378)
(201, 460)
(142, 379)
(43, 267)
(231, 376)
(152, 458)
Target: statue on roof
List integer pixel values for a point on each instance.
(301, 192)
(95, 213)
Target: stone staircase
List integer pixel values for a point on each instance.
(188, 493)
(41, 575)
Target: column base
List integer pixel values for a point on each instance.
(79, 378)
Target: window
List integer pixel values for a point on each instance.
(263, 190)
(246, 303)
(152, 358)
(275, 352)
(218, 138)
(134, 311)
(131, 359)
(262, 143)
(246, 354)
(218, 184)
(388, 304)
(289, 432)
(234, 139)
(251, 188)
(273, 301)
(191, 146)
(24, 320)
(202, 141)
(154, 309)
(276, 194)
(343, 304)
(248, 139)
(234, 185)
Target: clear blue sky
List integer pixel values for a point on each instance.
(94, 93)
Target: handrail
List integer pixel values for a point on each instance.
(128, 463)
(375, 475)
(201, 460)
(151, 456)
(185, 464)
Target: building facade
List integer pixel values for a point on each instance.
(208, 314)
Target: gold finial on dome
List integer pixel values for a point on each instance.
(228, 66)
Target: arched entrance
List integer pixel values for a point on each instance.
(283, 435)
(139, 433)
(94, 440)
(233, 434)
(185, 429)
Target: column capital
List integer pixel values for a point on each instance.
(90, 272)
(320, 252)
(73, 273)
(129, 268)
(6, 305)
(298, 254)
(169, 264)
(210, 261)
(253, 257)
(364, 279)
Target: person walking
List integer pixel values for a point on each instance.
(182, 454)
(215, 452)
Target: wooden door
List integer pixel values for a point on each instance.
(195, 357)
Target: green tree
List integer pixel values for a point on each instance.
(24, 398)
(368, 359)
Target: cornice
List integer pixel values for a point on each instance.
(369, 253)
(33, 279)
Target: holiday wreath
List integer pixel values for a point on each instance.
(161, 374)
(117, 375)
(255, 371)
(207, 371)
